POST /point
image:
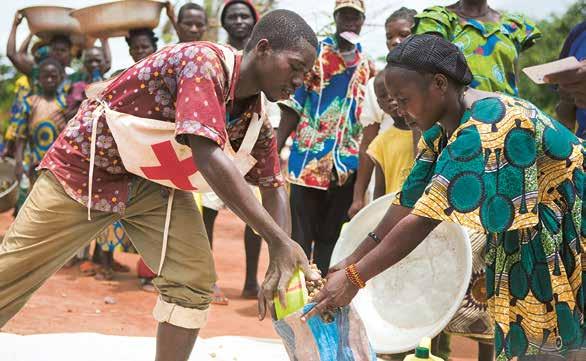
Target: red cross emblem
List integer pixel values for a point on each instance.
(172, 169)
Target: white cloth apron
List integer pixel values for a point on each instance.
(138, 139)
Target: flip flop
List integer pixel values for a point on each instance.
(218, 297)
(88, 268)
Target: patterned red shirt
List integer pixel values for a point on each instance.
(186, 84)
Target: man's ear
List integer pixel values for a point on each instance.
(263, 47)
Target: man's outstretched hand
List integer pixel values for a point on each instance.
(285, 259)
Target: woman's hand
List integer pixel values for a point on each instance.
(18, 16)
(170, 11)
(337, 292)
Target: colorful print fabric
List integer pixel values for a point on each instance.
(517, 175)
(39, 122)
(114, 239)
(491, 49)
(329, 105)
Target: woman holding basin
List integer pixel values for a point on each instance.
(496, 164)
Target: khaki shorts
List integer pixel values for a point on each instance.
(51, 227)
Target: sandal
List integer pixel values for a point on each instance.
(218, 297)
(88, 268)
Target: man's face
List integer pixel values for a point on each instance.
(94, 60)
(49, 78)
(283, 71)
(239, 21)
(61, 51)
(192, 26)
(348, 19)
(140, 47)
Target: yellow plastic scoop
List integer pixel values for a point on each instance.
(296, 296)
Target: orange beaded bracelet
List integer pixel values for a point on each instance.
(354, 276)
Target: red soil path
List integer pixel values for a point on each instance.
(69, 302)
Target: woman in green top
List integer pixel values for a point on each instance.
(491, 41)
(499, 165)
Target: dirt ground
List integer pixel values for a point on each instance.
(69, 302)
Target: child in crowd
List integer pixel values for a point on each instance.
(94, 67)
(374, 120)
(40, 120)
(391, 150)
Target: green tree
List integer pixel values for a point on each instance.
(8, 77)
(555, 29)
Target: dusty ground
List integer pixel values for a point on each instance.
(69, 302)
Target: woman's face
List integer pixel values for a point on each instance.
(239, 21)
(140, 47)
(397, 31)
(419, 97)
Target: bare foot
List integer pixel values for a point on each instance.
(218, 297)
(147, 285)
(119, 267)
(104, 274)
(250, 292)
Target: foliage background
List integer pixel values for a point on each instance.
(555, 29)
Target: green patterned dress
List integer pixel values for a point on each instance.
(517, 175)
(491, 49)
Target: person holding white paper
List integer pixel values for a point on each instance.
(572, 83)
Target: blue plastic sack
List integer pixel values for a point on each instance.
(343, 339)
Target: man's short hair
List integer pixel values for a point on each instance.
(284, 29)
(191, 6)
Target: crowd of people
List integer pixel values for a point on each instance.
(442, 125)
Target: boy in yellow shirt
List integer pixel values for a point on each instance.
(392, 151)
